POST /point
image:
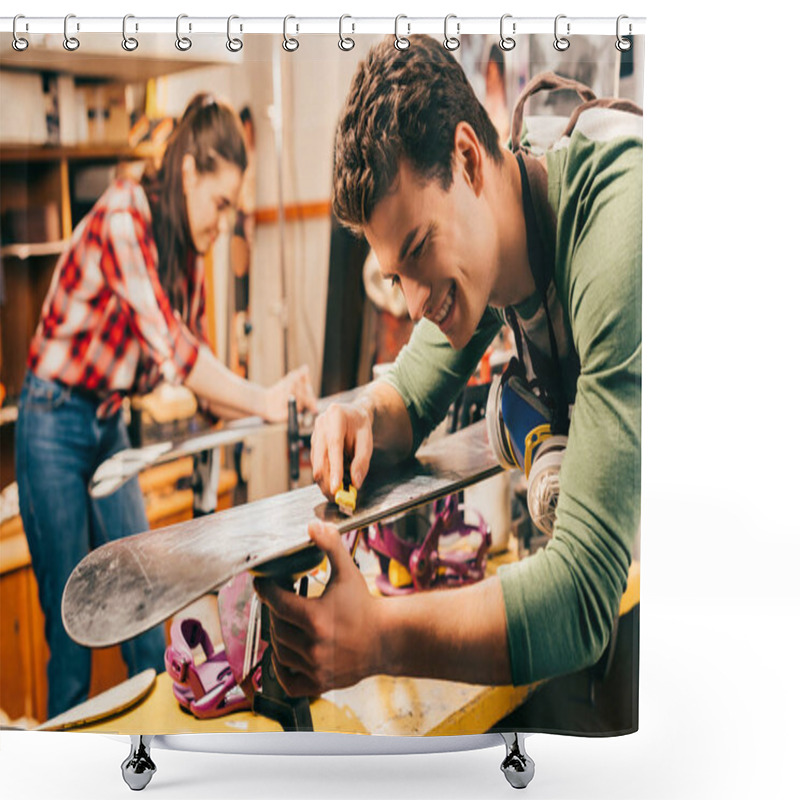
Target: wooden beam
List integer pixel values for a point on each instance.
(320, 209)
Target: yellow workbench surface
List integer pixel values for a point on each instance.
(378, 705)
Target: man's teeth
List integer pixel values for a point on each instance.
(445, 309)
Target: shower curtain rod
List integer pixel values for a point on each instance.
(190, 25)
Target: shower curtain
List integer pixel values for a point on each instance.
(469, 242)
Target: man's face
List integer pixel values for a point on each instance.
(441, 246)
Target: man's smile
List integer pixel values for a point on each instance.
(445, 307)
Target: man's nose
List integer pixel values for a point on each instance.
(416, 295)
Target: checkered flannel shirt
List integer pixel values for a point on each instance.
(107, 326)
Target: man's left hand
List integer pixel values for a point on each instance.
(326, 642)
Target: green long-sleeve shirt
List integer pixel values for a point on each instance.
(561, 602)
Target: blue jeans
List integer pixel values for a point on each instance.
(59, 444)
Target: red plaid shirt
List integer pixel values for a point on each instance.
(107, 326)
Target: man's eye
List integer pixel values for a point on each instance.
(417, 251)
(395, 280)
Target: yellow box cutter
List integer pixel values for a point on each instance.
(346, 496)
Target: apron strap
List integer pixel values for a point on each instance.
(539, 261)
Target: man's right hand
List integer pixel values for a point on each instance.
(341, 432)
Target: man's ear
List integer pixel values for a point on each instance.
(469, 157)
(188, 171)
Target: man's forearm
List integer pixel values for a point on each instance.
(457, 634)
(392, 436)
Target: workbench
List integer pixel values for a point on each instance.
(380, 705)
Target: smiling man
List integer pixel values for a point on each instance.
(478, 236)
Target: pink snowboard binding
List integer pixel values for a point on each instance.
(205, 690)
(428, 565)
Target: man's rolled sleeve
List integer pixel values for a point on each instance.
(429, 373)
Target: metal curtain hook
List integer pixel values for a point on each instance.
(128, 42)
(621, 44)
(70, 42)
(451, 42)
(560, 43)
(289, 43)
(345, 42)
(234, 43)
(183, 43)
(400, 42)
(18, 43)
(507, 42)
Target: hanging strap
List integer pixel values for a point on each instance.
(549, 81)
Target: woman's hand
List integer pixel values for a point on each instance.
(296, 383)
(326, 642)
(341, 431)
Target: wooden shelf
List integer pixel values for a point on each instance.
(18, 153)
(101, 59)
(26, 251)
(8, 414)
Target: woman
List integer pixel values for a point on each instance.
(126, 310)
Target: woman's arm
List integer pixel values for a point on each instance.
(132, 274)
(234, 397)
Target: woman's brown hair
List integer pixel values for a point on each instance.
(208, 131)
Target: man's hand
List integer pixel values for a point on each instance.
(297, 383)
(341, 431)
(326, 642)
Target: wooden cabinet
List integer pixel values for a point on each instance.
(24, 653)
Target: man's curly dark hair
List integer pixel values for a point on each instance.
(402, 104)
